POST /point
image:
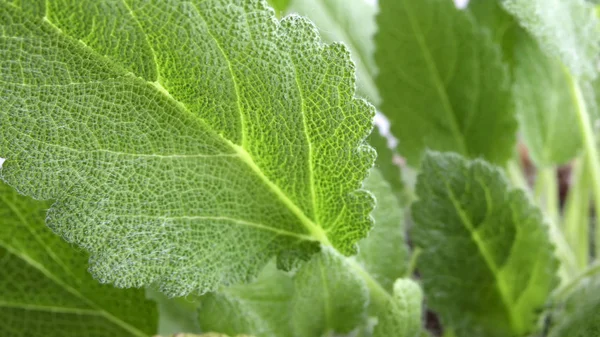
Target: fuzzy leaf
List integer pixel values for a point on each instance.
(487, 263)
(325, 295)
(353, 23)
(45, 289)
(401, 316)
(442, 82)
(568, 29)
(186, 143)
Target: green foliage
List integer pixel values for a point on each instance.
(568, 29)
(483, 246)
(45, 289)
(211, 150)
(177, 180)
(353, 23)
(442, 82)
(325, 295)
(579, 315)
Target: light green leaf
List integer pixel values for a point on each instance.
(401, 316)
(325, 295)
(384, 252)
(175, 315)
(353, 23)
(546, 105)
(262, 307)
(487, 264)
(190, 147)
(442, 82)
(579, 316)
(45, 289)
(568, 29)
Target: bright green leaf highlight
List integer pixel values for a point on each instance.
(487, 263)
(191, 151)
(45, 289)
(442, 82)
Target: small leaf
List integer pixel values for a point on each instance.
(442, 82)
(487, 263)
(401, 316)
(191, 147)
(45, 289)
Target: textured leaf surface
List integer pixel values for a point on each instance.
(384, 252)
(185, 142)
(442, 82)
(325, 295)
(580, 315)
(402, 315)
(568, 29)
(351, 22)
(45, 289)
(487, 263)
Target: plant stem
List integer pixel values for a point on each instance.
(379, 295)
(576, 222)
(563, 292)
(515, 174)
(546, 192)
(590, 145)
(412, 265)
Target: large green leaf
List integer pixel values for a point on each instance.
(545, 102)
(579, 316)
(186, 143)
(351, 22)
(546, 105)
(568, 29)
(45, 289)
(328, 293)
(325, 295)
(487, 263)
(442, 82)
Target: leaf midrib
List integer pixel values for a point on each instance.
(317, 232)
(435, 77)
(487, 256)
